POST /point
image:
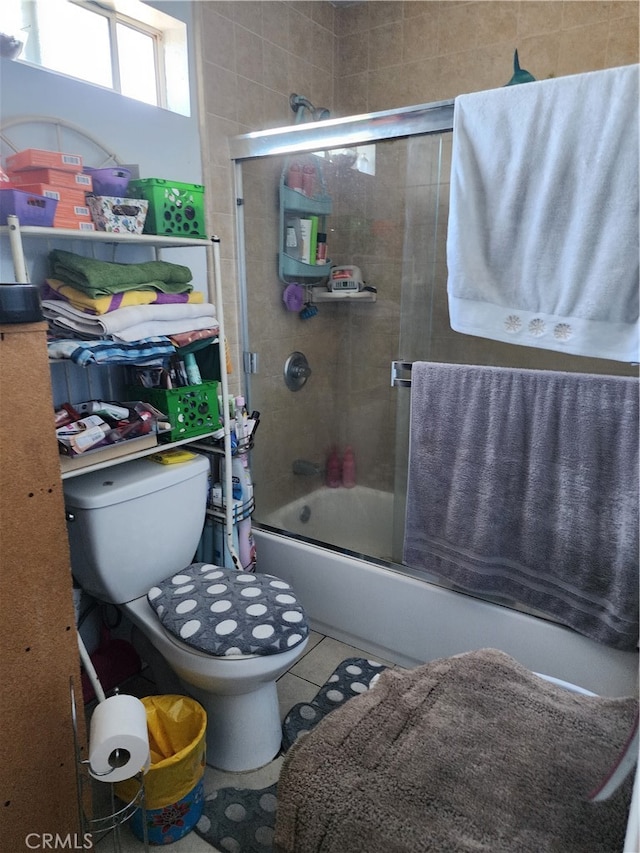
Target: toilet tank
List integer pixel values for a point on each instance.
(135, 524)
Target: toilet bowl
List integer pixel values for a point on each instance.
(238, 692)
(133, 528)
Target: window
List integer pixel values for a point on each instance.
(123, 45)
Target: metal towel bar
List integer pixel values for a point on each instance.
(400, 381)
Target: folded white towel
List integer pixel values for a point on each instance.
(542, 246)
(133, 322)
(164, 328)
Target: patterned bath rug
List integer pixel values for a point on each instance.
(239, 820)
(352, 676)
(242, 820)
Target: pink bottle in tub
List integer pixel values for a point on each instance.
(348, 469)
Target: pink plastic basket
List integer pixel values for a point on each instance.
(112, 181)
(30, 209)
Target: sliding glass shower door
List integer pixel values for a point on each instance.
(423, 307)
(388, 219)
(387, 176)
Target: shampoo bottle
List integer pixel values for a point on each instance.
(242, 486)
(348, 469)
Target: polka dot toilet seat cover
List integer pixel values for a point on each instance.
(225, 612)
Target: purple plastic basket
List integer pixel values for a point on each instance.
(112, 181)
(31, 209)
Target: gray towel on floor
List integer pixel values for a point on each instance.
(468, 753)
(523, 484)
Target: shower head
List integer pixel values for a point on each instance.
(299, 104)
(320, 114)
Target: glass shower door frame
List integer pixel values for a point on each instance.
(395, 126)
(347, 132)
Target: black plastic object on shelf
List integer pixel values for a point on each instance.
(20, 303)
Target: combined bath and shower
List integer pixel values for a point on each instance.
(299, 104)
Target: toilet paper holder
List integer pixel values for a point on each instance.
(99, 826)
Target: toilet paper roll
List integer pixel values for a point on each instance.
(118, 739)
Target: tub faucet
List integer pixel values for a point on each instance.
(306, 469)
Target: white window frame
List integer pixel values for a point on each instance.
(169, 40)
(114, 17)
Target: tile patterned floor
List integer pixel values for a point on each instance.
(298, 684)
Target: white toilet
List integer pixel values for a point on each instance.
(133, 529)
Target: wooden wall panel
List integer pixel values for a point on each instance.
(38, 645)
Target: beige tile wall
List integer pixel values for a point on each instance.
(391, 54)
(352, 59)
(444, 49)
(253, 56)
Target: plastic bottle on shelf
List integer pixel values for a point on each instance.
(321, 248)
(334, 470)
(221, 554)
(242, 416)
(248, 482)
(308, 180)
(215, 496)
(246, 545)
(253, 421)
(294, 176)
(242, 490)
(242, 494)
(348, 469)
(193, 371)
(236, 481)
(242, 480)
(232, 421)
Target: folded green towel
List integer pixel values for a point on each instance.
(102, 278)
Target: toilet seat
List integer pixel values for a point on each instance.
(180, 644)
(225, 613)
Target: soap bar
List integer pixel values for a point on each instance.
(169, 457)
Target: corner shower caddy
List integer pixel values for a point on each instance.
(295, 204)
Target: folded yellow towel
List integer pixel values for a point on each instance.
(56, 289)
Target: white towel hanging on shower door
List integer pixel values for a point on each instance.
(542, 245)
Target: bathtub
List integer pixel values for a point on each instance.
(358, 519)
(407, 619)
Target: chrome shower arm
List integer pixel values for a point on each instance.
(299, 104)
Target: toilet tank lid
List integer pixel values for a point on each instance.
(128, 481)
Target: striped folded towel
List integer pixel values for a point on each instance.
(147, 352)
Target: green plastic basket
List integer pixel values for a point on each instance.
(175, 208)
(191, 410)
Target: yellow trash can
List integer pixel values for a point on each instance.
(173, 784)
